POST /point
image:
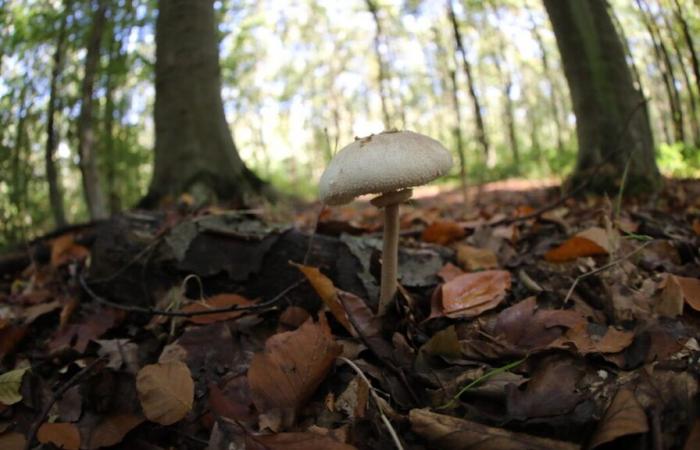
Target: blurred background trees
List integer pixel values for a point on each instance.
(299, 79)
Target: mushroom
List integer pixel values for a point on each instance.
(389, 164)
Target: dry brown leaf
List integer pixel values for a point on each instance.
(690, 290)
(78, 335)
(294, 441)
(472, 258)
(449, 272)
(12, 441)
(216, 302)
(694, 435)
(471, 294)
(447, 432)
(442, 232)
(110, 430)
(294, 363)
(624, 416)
(590, 242)
(64, 250)
(61, 434)
(611, 341)
(696, 226)
(166, 391)
(326, 290)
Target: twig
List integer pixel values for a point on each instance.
(72, 381)
(376, 399)
(162, 312)
(605, 267)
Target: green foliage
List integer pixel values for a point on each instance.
(679, 160)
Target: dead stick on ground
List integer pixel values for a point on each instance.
(377, 401)
(605, 267)
(72, 381)
(162, 312)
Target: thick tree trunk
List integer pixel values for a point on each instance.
(480, 128)
(52, 177)
(86, 134)
(194, 150)
(613, 131)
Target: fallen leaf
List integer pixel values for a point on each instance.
(61, 434)
(166, 391)
(449, 272)
(64, 250)
(34, 312)
(10, 337)
(233, 400)
(12, 441)
(581, 336)
(528, 327)
(447, 432)
(696, 226)
(681, 289)
(294, 441)
(590, 242)
(78, 335)
(442, 232)
(471, 294)
(624, 416)
(110, 430)
(10, 385)
(294, 363)
(694, 435)
(216, 302)
(551, 391)
(292, 318)
(472, 259)
(326, 290)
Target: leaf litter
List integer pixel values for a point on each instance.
(574, 329)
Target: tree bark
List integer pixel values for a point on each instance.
(86, 133)
(52, 177)
(480, 128)
(613, 131)
(668, 74)
(381, 65)
(555, 93)
(692, 99)
(678, 12)
(194, 149)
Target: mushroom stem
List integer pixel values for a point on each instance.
(390, 201)
(390, 255)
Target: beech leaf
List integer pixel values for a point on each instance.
(590, 242)
(294, 363)
(166, 391)
(471, 294)
(10, 384)
(63, 435)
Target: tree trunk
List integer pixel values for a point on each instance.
(664, 62)
(194, 150)
(480, 128)
(457, 133)
(381, 66)
(554, 94)
(86, 134)
(52, 177)
(613, 131)
(689, 42)
(692, 99)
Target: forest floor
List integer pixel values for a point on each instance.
(516, 326)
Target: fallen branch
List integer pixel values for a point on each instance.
(162, 312)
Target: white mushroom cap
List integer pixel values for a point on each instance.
(382, 163)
